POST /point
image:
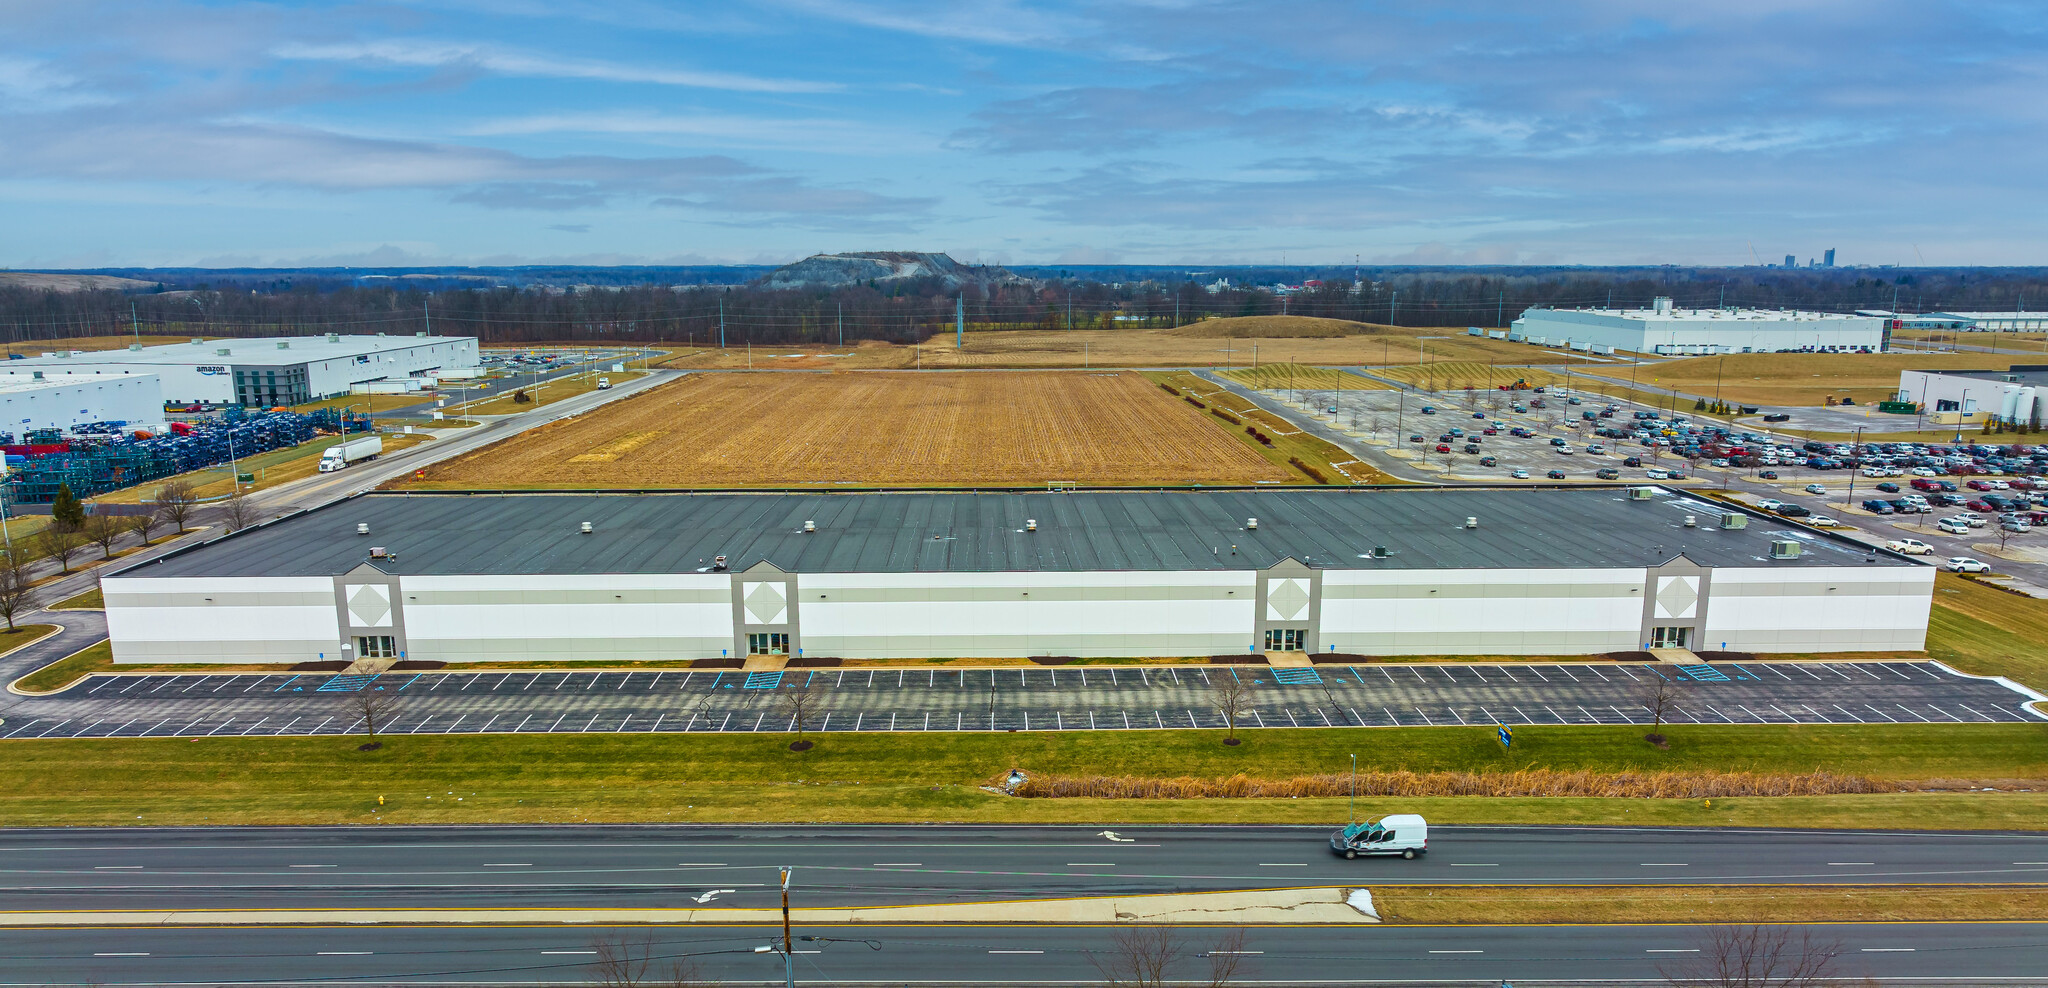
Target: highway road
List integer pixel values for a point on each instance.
(678, 866)
(1079, 698)
(1974, 954)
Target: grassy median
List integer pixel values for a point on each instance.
(938, 777)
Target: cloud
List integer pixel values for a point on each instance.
(816, 134)
(571, 227)
(513, 62)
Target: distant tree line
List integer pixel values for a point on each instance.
(736, 315)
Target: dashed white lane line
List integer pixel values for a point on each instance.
(1016, 951)
(1852, 864)
(1889, 950)
(117, 867)
(1667, 864)
(1457, 951)
(553, 952)
(1283, 864)
(312, 866)
(341, 953)
(120, 953)
(509, 864)
(899, 864)
(1672, 950)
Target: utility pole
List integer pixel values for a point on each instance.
(428, 313)
(721, 323)
(135, 321)
(842, 324)
(788, 954)
(1392, 301)
(1500, 310)
(1070, 308)
(960, 321)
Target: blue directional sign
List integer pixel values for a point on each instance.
(1507, 736)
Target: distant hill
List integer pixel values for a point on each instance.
(882, 267)
(70, 282)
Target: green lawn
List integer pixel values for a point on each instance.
(1989, 632)
(919, 778)
(91, 600)
(60, 673)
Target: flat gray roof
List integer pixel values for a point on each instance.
(245, 350)
(2027, 374)
(533, 534)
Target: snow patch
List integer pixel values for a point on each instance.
(1361, 900)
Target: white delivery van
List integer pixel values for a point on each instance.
(1404, 834)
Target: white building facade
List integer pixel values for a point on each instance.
(2018, 395)
(261, 371)
(1193, 577)
(62, 402)
(1663, 329)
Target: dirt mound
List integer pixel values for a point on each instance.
(1278, 328)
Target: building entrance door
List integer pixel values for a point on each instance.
(768, 644)
(1670, 637)
(1285, 639)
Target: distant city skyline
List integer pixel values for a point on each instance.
(417, 132)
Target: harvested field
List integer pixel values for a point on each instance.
(1275, 376)
(1282, 328)
(931, 429)
(1807, 378)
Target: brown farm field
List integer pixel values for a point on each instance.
(1213, 343)
(1801, 378)
(873, 428)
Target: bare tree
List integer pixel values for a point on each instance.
(17, 593)
(104, 531)
(1661, 696)
(1144, 956)
(1232, 695)
(174, 498)
(1757, 956)
(626, 962)
(2005, 535)
(237, 510)
(60, 545)
(372, 706)
(799, 699)
(144, 524)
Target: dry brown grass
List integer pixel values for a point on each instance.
(1516, 905)
(1802, 378)
(1527, 782)
(1298, 339)
(937, 429)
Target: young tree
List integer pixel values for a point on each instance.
(628, 962)
(1757, 956)
(61, 545)
(1144, 956)
(65, 510)
(144, 524)
(17, 594)
(372, 706)
(799, 697)
(175, 500)
(104, 531)
(237, 511)
(1232, 696)
(1660, 696)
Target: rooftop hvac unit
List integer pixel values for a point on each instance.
(1379, 552)
(331, 338)
(196, 341)
(284, 344)
(420, 335)
(718, 562)
(1641, 493)
(810, 526)
(586, 529)
(223, 352)
(1251, 524)
(1031, 524)
(1784, 549)
(1733, 520)
(362, 528)
(134, 346)
(379, 552)
(1691, 521)
(1471, 522)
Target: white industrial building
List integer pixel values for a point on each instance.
(2018, 395)
(1663, 329)
(34, 402)
(261, 371)
(1994, 322)
(508, 577)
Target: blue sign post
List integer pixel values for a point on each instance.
(1507, 736)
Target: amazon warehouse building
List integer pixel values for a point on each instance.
(456, 577)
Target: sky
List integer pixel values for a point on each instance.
(414, 132)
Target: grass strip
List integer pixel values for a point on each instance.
(1338, 466)
(90, 600)
(916, 777)
(69, 669)
(1530, 905)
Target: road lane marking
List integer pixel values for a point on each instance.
(700, 864)
(1283, 864)
(1016, 951)
(899, 864)
(1889, 950)
(1457, 951)
(120, 953)
(1091, 864)
(1672, 950)
(311, 866)
(1237, 951)
(1852, 864)
(512, 864)
(1475, 864)
(341, 953)
(116, 867)
(1666, 864)
(549, 952)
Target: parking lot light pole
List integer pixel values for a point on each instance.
(788, 955)
(1858, 444)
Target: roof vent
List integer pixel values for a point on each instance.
(1379, 552)
(222, 352)
(362, 528)
(586, 529)
(420, 335)
(1641, 493)
(718, 562)
(1734, 520)
(1471, 522)
(331, 338)
(284, 344)
(1691, 522)
(1251, 524)
(1784, 549)
(810, 526)
(196, 341)
(1031, 524)
(134, 346)
(379, 552)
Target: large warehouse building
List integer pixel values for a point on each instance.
(1663, 329)
(473, 577)
(2018, 395)
(262, 371)
(31, 402)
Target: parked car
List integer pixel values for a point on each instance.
(1607, 473)
(1877, 506)
(2015, 526)
(1964, 564)
(1823, 521)
(1471, 447)
(1478, 415)
(1657, 473)
(1519, 474)
(1564, 449)
(1443, 447)
(1793, 511)
(1414, 439)
(1973, 519)
(1633, 461)
(1953, 526)
(1770, 504)
(1767, 475)
(1429, 410)
(1888, 488)
(1596, 449)
(1556, 475)
(1489, 461)
(1910, 547)
(1815, 489)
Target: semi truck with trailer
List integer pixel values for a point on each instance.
(352, 451)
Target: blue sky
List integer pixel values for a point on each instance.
(172, 132)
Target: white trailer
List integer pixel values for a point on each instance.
(336, 457)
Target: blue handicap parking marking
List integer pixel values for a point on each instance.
(764, 680)
(346, 684)
(1293, 676)
(286, 683)
(1704, 673)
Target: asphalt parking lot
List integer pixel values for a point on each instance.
(1011, 698)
